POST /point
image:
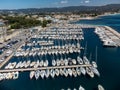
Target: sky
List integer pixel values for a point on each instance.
(19, 4)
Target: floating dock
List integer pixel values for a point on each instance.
(44, 68)
(108, 36)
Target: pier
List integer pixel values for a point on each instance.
(108, 36)
(43, 68)
(17, 46)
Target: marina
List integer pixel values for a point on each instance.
(60, 45)
(53, 53)
(53, 42)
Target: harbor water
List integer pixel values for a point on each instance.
(108, 61)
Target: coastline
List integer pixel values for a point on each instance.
(91, 18)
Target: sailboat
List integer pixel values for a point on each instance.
(100, 87)
(94, 63)
(85, 59)
(81, 88)
(37, 74)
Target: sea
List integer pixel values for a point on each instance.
(108, 60)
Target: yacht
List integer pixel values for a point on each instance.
(47, 73)
(89, 72)
(27, 64)
(74, 72)
(66, 62)
(83, 71)
(81, 88)
(45, 63)
(100, 87)
(36, 64)
(53, 62)
(18, 65)
(41, 63)
(79, 60)
(86, 61)
(65, 72)
(16, 74)
(42, 74)
(78, 71)
(52, 73)
(58, 62)
(68, 89)
(32, 64)
(74, 89)
(37, 74)
(95, 71)
(74, 61)
(61, 72)
(57, 72)
(94, 64)
(61, 61)
(32, 73)
(69, 71)
(10, 75)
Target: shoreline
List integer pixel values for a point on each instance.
(96, 17)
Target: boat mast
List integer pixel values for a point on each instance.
(90, 58)
(85, 50)
(96, 55)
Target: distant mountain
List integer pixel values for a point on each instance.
(73, 9)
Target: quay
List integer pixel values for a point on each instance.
(113, 31)
(17, 46)
(108, 36)
(44, 68)
(116, 35)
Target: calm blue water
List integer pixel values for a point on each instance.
(110, 20)
(108, 66)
